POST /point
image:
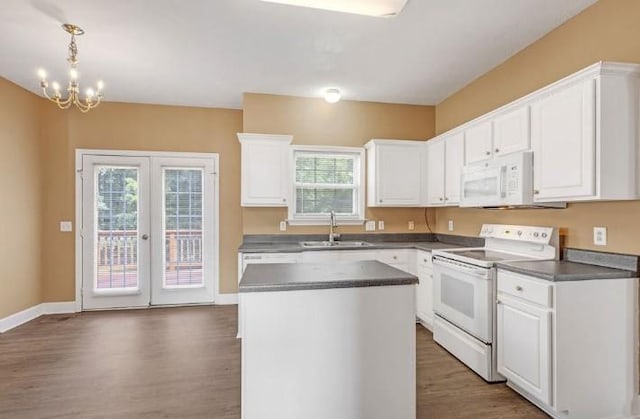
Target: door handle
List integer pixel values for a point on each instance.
(145, 237)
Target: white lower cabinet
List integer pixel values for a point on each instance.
(524, 346)
(424, 291)
(570, 347)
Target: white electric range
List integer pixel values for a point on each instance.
(464, 290)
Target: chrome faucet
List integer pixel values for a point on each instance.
(332, 225)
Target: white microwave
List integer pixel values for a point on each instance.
(499, 182)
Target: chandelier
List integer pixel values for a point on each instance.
(92, 97)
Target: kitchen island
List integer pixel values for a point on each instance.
(328, 341)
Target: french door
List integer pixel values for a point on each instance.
(148, 231)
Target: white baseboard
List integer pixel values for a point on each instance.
(226, 299)
(20, 317)
(34, 312)
(62, 307)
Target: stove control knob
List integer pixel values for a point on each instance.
(519, 232)
(536, 234)
(544, 235)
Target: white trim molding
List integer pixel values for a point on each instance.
(226, 299)
(32, 313)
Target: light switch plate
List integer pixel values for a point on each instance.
(66, 226)
(450, 225)
(283, 226)
(370, 226)
(600, 236)
(411, 225)
(380, 225)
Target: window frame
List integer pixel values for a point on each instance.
(359, 186)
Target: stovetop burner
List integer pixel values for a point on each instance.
(487, 255)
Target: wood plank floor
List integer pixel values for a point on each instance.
(185, 363)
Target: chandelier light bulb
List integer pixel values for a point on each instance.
(92, 98)
(332, 95)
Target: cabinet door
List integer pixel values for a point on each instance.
(265, 173)
(511, 132)
(435, 173)
(424, 295)
(524, 346)
(563, 142)
(454, 161)
(397, 175)
(477, 142)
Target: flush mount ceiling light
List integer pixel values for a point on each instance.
(376, 8)
(332, 95)
(92, 97)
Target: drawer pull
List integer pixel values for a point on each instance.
(395, 257)
(519, 288)
(425, 260)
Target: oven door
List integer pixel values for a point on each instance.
(483, 186)
(462, 294)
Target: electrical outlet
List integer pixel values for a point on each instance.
(450, 225)
(283, 226)
(370, 226)
(411, 225)
(66, 226)
(380, 225)
(600, 236)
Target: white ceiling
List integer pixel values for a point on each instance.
(208, 52)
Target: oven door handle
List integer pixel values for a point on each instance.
(460, 266)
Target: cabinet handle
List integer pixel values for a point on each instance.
(380, 200)
(424, 260)
(536, 192)
(440, 198)
(284, 199)
(395, 257)
(446, 199)
(488, 153)
(498, 302)
(497, 150)
(519, 288)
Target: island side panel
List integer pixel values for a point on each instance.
(335, 353)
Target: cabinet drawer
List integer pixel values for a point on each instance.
(530, 289)
(393, 257)
(424, 259)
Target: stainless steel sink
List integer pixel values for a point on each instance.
(326, 243)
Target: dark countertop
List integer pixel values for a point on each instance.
(563, 270)
(316, 276)
(293, 247)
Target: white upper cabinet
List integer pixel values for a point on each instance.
(454, 161)
(505, 133)
(478, 142)
(435, 172)
(394, 173)
(444, 161)
(511, 131)
(563, 133)
(265, 169)
(584, 134)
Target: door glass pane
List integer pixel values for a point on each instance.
(183, 207)
(117, 227)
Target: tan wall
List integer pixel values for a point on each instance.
(608, 30)
(21, 205)
(347, 123)
(135, 127)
